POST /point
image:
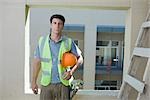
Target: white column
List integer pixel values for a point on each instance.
(127, 46)
(89, 56)
(1, 50)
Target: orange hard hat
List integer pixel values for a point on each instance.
(68, 60)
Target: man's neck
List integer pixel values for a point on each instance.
(55, 37)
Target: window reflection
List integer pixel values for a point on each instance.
(108, 65)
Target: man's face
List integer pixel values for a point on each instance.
(57, 26)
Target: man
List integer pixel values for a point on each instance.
(48, 59)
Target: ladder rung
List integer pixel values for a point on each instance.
(146, 24)
(133, 82)
(143, 52)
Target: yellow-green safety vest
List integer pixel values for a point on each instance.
(46, 59)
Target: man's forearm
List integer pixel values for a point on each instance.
(79, 62)
(36, 69)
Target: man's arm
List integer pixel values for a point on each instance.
(78, 54)
(36, 69)
(76, 51)
(68, 74)
(79, 62)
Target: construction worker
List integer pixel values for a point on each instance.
(47, 58)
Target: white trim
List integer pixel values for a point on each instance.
(27, 82)
(105, 4)
(99, 92)
(133, 82)
(144, 52)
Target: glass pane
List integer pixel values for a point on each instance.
(115, 43)
(102, 43)
(114, 57)
(102, 56)
(107, 73)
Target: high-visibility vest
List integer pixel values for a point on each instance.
(46, 59)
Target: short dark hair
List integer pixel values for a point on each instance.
(61, 17)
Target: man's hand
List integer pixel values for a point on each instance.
(67, 75)
(35, 88)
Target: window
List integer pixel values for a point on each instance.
(108, 67)
(102, 43)
(109, 54)
(115, 43)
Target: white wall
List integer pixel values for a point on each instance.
(13, 51)
(0, 50)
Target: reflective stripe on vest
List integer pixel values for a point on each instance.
(46, 59)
